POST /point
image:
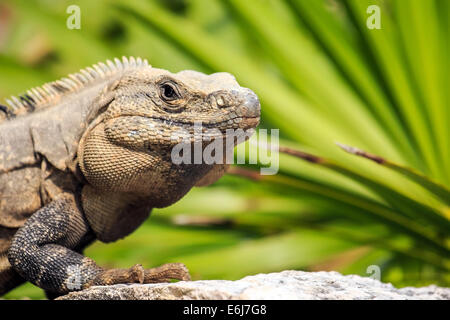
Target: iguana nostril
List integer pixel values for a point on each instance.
(220, 99)
(245, 100)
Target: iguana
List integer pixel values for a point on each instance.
(87, 157)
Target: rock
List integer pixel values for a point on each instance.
(282, 285)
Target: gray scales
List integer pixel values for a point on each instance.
(87, 157)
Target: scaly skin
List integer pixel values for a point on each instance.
(95, 158)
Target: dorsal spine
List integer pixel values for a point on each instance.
(44, 95)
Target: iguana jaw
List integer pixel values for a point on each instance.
(163, 124)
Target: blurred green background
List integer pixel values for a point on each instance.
(323, 77)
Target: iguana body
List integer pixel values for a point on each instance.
(89, 156)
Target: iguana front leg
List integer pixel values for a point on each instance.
(43, 251)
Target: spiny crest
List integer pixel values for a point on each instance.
(43, 96)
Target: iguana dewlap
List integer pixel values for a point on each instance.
(87, 157)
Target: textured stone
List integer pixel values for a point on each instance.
(282, 285)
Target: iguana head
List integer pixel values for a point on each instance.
(152, 107)
(149, 111)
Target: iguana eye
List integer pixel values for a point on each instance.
(169, 92)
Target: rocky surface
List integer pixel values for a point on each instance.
(282, 285)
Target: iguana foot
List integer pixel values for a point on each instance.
(166, 272)
(137, 274)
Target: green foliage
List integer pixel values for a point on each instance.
(322, 77)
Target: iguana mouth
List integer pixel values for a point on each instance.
(228, 129)
(231, 123)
